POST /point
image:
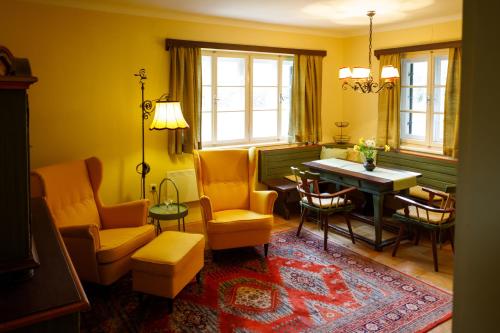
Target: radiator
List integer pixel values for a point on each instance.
(186, 183)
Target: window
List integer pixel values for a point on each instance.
(423, 85)
(245, 97)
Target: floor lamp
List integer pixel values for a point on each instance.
(168, 115)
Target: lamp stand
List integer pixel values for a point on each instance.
(143, 168)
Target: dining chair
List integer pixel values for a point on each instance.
(324, 204)
(425, 216)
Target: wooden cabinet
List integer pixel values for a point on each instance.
(39, 289)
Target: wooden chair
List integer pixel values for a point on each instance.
(324, 204)
(435, 219)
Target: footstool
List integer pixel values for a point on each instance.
(167, 264)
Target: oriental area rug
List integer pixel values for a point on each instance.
(298, 288)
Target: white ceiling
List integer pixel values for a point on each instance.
(328, 16)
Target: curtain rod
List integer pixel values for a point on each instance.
(415, 48)
(240, 47)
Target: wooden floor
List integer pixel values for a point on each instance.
(413, 260)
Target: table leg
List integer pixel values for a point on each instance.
(378, 212)
(183, 225)
(286, 211)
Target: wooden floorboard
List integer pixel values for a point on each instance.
(413, 260)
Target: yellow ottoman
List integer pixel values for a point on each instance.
(167, 264)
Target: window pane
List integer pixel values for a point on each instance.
(206, 70)
(438, 128)
(206, 126)
(413, 125)
(439, 99)
(287, 73)
(265, 98)
(230, 125)
(285, 110)
(230, 71)
(414, 73)
(441, 70)
(265, 123)
(230, 98)
(206, 99)
(265, 72)
(414, 99)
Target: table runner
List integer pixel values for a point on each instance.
(401, 179)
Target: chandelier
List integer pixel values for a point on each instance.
(360, 78)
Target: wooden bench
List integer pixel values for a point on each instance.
(438, 173)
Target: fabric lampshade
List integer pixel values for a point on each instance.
(360, 73)
(345, 73)
(389, 72)
(168, 115)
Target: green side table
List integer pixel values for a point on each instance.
(163, 212)
(171, 211)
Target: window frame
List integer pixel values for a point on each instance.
(428, 144)
(248, 132)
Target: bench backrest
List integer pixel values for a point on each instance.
(437, 173)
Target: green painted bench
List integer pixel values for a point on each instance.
(274, 164)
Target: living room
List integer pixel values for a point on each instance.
(87, 102)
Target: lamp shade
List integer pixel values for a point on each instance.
(360, 73)
(168, 115)
(345, 73)
(389, 72)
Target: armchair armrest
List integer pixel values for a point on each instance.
(125, 215)
(262, 202)
(88, 232)
(206, 208)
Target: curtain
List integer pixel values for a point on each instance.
(305, 118)
(185, 87)
(388, 106)
(452, 103)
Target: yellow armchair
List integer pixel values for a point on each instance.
(100, 239)
(234, 213)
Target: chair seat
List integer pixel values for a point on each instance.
(326, 203)
(119, 242)
(418, 192)
(236, 220)
(434, 217)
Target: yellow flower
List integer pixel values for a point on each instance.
(361, 141)
(387, 148)
(356, 148)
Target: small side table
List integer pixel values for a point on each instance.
(285, 188)
(163, 212)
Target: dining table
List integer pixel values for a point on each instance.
(378, 183)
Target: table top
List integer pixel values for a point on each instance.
(168, 212)
(399, 179)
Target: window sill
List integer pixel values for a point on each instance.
(420, 151)
(273, 144)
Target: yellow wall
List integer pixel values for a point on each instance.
(361, 110)
(87, 100)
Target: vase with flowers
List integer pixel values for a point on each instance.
(367, 148)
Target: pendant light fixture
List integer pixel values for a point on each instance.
(360, 78)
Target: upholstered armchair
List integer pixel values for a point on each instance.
(234, 213)
(100, 239)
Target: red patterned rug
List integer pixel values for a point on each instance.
(299, 288)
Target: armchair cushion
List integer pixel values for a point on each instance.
(119, 242)
(237, 220)
(124, 215)
(434, 217)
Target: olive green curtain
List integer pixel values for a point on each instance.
(452, 103)
(305, 119)
(388, 106)
(185, 87)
